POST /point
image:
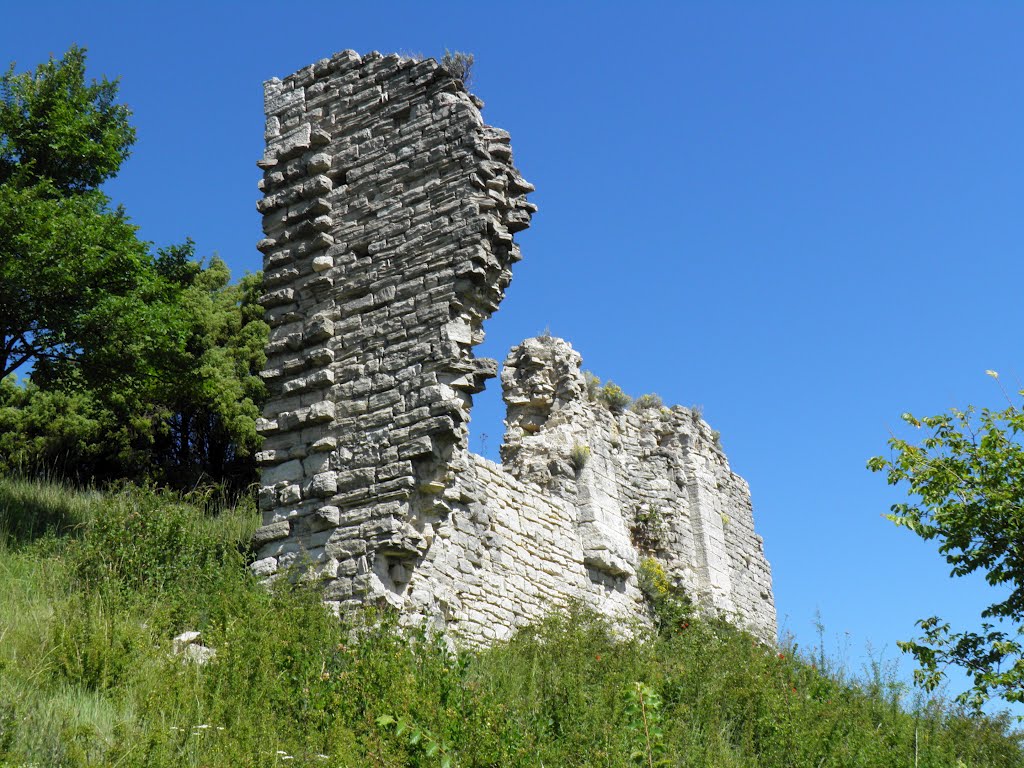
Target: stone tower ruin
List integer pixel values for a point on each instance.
(390, 209)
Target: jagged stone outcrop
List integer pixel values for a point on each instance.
(389, 211)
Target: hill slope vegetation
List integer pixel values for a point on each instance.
(94, 586)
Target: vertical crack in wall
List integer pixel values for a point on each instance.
(389, 210)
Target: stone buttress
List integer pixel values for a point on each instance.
(389, 209)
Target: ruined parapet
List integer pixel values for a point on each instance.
(389, 211)
(646, 482)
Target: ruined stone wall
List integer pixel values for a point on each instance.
(389, 210)
(655, 483)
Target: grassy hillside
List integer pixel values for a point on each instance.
(93, 587)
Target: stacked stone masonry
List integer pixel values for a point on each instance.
(389, 210)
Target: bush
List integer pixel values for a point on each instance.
(670, 605)
(593, 384)
(644, 402)
(459, 65)
(613, 398)
(648, 528)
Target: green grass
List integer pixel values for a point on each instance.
(94, 586)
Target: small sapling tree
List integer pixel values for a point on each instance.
(966, 483)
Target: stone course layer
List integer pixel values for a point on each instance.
(389, 210)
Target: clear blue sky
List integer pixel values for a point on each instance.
(806, 219)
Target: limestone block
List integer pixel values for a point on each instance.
(324, 484)
(289, 495)
(321, 411)
(293, 143)
(322, 263)
(281, 473)
(318, 163)
(269, 533)
(325, 517)
(277, 100)
(316, 463)
(264, 567)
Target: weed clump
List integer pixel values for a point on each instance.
(645, 402)
(459, 65)
(649, 528)
(613, 398)
(579, 455)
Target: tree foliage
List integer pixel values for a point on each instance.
(142, 366)
(966, 482)
(67, 259)
(55, 127)
(176, 413)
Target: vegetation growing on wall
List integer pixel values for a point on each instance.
(459, 65)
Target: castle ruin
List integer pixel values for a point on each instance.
(390, 209)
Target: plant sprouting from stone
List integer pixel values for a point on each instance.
(644, 402)
(459, 65)
(613, 398)
(579, 455)
(593, 384)
(648, 529)
(669, 603)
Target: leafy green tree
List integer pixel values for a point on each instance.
(210, 386)
(67, 259)
(142, 367)
(178, 414)
(966, 482)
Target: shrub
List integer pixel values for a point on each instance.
(647, 401)
(613, 398)
(579, 456)
(459, 65)
(648, 528)
(670, 605)
(593, 384)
